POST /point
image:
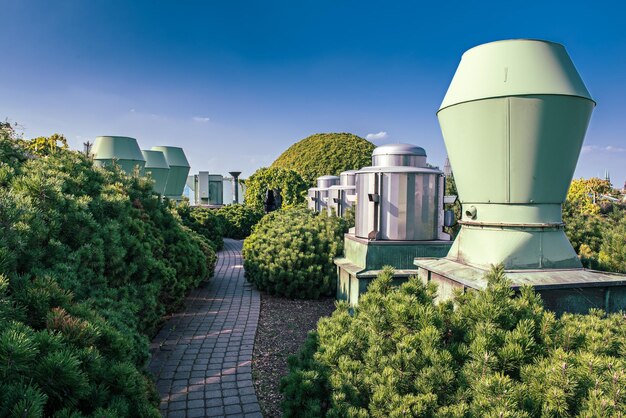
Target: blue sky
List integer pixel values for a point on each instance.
(236, 82)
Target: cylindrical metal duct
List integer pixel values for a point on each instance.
(399, 203)
(513, 121)
(157, 166)
(399, 155)
(348, 178)
(235, 175)
(122, 149)
(179, 169)
(325, 182)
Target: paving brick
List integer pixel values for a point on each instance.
(231, 400)
(174, 406)
(232, 409)
(196, 403)
(251, 407)
(181, 413)
(215, 411)
(248, 399)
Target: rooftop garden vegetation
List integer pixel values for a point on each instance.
(289, 183)
(326, 154)
(484, 354)
(291, 252)
(90, 261)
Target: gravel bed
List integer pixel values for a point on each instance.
(282, 329)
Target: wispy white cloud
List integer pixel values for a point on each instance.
(201, 119)
(587, 149)
(376, 137)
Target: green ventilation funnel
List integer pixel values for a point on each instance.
(513, 121)
(157, 166)
(179, 169)
(121, 149)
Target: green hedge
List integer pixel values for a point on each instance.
(90, 261)
(204, 221)
(486, 354)
(328, 153)
(290, 184)
(291, 253)
(238, 220)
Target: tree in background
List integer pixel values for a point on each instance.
(290, 184)
(584, 195)
(593, 224)
(326, 154)
(455, 207)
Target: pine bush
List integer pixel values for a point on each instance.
(291, 252)
(488, 353)
(204, 221)
(238, 220)
(90, 261)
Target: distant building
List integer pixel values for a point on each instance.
(447, 168)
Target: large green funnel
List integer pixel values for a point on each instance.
(513, 120)
(179, 169)
(157, 166)
(121, 149)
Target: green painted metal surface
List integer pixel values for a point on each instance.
(514, 67)
(373, 255)
(179, 170)
(364, 259)
(122, 150)
(562, 290)
(514, 121)
(157, 166)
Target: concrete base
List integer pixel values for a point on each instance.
(566, 290)
(364, 259)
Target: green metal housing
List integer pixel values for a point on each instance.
(122, 150)
(513, 121)
(179, 170)
(363, 259)
(157, 166)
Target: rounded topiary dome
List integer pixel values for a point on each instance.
(329, 153)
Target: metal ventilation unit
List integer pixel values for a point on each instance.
(341, 197)
(400, 198)
(122, 150)
(157, 166)
(318, 197)
(179, 170)
(514, 120)
(399, 216)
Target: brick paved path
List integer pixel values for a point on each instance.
(202, 356)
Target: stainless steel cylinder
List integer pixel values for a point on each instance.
(325, 182)
(398, 203)
(399, 155)
(348, 178)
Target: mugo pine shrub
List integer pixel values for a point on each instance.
(204, 221)
(291, 253)
(90, 261)
(485, 354)
(238, 220)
